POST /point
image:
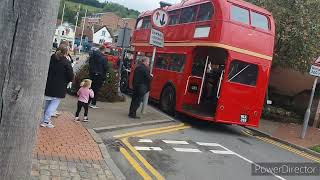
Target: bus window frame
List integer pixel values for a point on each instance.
(195, 18)
(170, 54)
(258, 28)
(143, 19)
(198, 9)
(179, 15)
(250, 19)
(213, 12)
(242, 84)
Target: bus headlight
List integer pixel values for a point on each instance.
(244, 118)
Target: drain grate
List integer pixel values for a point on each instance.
(114, 144)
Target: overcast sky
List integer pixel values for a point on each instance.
(142, 5)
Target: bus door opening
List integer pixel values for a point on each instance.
(204, 83)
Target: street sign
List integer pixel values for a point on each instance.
(156, 38)
(124, 37)
(160, 18)
(315, 71)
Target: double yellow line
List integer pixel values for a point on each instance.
(144, 133)
(283, 146)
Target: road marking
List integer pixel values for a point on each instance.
(187, 150)
(208, 144)
(142, 160)
(175, 142)
(251, 162)
(145, 141)
(144, 148)
(164, 131)
(222, 152)
(288, 148)
(135, 164)
(135, 133)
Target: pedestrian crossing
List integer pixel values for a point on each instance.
(180, 146)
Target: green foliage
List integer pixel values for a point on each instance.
(281, 115)
(72, 7)
(109, 90)
(120, 10)
(71, 10)
(298, 31)
(316, 148)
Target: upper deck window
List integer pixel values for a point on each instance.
(174, 17)
(259, 21)
(139, 24)
(146, 24)
(240, 14)
(188, 14)
(205, 12)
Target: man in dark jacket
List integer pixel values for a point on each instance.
(59, 75)
(141, 85)
(97, 70)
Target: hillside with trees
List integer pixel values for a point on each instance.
(93, 6)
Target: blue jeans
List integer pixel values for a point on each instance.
(51, 105)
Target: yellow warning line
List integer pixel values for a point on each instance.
(135, 133)
(283, 146)
(164, 131)
(135, 164)
(142, 160)
(144, 133)
(291, 149)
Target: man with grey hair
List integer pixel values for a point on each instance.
(141, 85)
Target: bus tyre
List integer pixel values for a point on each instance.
(168, 100)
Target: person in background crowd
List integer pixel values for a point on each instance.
(69, 57)
(97, 70)
(59, 75)
(84, 94)
(141, 85)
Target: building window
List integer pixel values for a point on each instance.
(259, 21)
(146, 24)
(103, 33)
(188, 14)
(240, 14)
(205, 12)
(243, 73)
(174, 17)
(101, 41)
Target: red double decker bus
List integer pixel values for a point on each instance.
(216, 61)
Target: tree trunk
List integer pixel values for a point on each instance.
(26, 33)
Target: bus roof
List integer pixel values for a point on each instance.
(194, 2)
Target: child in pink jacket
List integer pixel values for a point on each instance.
(84, 93)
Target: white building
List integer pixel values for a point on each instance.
(64, 32)
(102, 35)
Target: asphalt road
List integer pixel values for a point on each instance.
(201, 150)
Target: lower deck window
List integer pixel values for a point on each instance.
(243, 73)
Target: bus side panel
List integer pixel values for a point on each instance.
(237, 99)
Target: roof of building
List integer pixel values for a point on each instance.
(86, 32)
(98, 28)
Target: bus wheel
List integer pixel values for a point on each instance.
(168, 100)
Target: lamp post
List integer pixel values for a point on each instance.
(122, 53)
